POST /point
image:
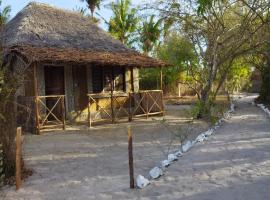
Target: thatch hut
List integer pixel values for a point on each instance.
(72, 65)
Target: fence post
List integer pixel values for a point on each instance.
(162, 104)
(130, 158)
(18, 158)
(63, 112)
(1, 166)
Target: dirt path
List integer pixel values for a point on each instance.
(233, 164)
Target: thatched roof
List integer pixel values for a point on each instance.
(47, 34)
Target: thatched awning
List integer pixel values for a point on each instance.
(70, 55)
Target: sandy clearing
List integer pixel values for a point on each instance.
(232, 164)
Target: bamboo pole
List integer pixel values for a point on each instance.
(18, 158)
(112, 88)
(130, 158)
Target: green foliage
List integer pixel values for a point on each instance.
(239, 75)
(150, 33)
(124, 22)
(4, 14)
(92, 5)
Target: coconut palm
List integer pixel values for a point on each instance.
(123, 23)
(4, 14)
(92, 5)
(150, 33)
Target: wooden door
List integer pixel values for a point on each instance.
(80, 87)
(54, 85)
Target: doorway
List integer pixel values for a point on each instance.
(80, 87)
(54, 85)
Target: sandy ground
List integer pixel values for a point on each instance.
(232, 164)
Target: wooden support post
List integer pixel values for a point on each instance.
(162, 104)
(129, 107)
(18, 158)
(112, 89)
(63, 112)
(179, 89)
(89, 113)
(130, 158)
(36, 98)
(161, 79)
(147, 104)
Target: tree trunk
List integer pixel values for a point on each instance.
(264, 95)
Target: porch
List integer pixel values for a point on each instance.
(101, 108)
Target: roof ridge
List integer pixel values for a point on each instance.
(51, 6)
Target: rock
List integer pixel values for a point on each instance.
(187, 146)
(172, 157)
(178, 153)
(142, 181)
(155, 172)
(200, 138)
(209, 132)
(165, 163)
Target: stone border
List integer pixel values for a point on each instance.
(263, 107)
(159, 170)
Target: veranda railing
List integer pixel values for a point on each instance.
(114, 106)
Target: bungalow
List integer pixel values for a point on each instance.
(75, 70)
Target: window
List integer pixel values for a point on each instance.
(102, 76)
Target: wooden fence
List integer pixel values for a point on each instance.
(116, 106)
(2, 176)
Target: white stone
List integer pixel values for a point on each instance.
(172, 157)
(187, 146)
(178, 153)
(200, 138)
(142, 181)
(155, 172)
(165, 163)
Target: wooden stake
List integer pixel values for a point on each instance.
(130, 158)
(18, 158)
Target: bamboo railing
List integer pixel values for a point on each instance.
(43, 112)
(114, 106)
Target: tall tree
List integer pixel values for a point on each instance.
(123, 23)
(4, 14)
(92, 5)
(150, 33)
(225, 31)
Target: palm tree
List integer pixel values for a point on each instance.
(4, 14)
(150, 34)
(92, 5)
(123, 23)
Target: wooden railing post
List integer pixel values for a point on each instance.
(147, 105)
(63, 112)
(162, 104)
(130, 158)
(129, 107)
(18, 158)
(89, 113)
(37, 115)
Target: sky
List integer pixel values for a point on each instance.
(17, 5)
